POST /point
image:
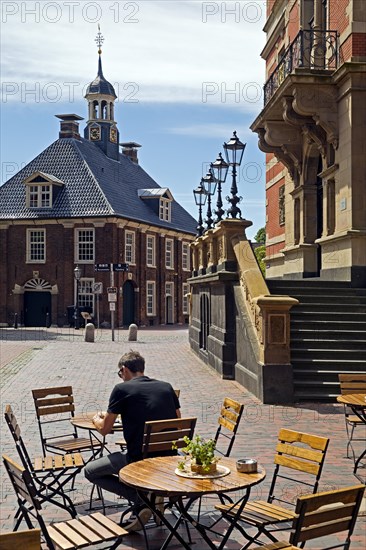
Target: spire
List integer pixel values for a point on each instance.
(99, 40)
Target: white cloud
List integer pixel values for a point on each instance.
(169, 52)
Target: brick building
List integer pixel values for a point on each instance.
(82, 202)
(312, 128)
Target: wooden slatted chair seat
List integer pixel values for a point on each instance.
(321, 515)
(295, 451)
(68, 535)
(55, 463)
(56, 405)
(352, 383)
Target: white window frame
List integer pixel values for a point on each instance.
(80, 258)
(165, 210)
(130, 246)
(185, 305)
(186, 257)
(150, 298)
(150, 251)
(87, 284)
(32, 246)
(169, 253)
(39, 195)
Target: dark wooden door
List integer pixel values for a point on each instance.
(128, 312)
(36, 307)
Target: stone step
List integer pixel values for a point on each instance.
(300, 333)
(313, 354)
(328, 343)
(336, 307)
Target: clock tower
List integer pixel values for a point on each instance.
(101, 127)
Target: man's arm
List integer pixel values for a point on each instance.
(178, 413)
(104, 421)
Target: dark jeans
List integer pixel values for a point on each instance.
(103, 472)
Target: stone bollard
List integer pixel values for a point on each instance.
(132, 333)
(89, 332)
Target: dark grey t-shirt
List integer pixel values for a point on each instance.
(137, 401)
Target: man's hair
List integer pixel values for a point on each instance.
(133, 361)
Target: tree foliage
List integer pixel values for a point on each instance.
(260, 236)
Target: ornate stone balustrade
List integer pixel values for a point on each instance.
(226, 248)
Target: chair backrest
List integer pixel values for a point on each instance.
(21, 540)
(327, 513)
(160, 434)
(300, 452)
(352, 383)
(54, 405)
(228, 421)
(15, 432)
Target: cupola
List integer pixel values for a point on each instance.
(101, 127)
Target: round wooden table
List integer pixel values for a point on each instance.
(357, 402)
(157, 477)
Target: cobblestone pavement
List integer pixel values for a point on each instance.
(55, 357)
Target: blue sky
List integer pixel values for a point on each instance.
(187, 74)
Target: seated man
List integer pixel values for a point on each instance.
(138, 399)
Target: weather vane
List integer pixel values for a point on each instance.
(99, 40)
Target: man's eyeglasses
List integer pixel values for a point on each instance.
(120, 373)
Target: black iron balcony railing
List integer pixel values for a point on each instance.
(311, 49)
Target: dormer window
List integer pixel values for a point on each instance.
(42, 190)
(165, 210)
(160, 200)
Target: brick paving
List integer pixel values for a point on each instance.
(55, 357)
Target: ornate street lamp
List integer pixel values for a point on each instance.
(219, 169)
(200, 199)
(234, 151)
(77, 276)
(209, 183)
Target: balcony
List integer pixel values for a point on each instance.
(311, 49)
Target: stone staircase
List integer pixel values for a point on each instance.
(328, 334)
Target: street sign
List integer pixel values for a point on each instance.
(98, 288)
(112, 306)
(102, 267)
(112, 294)
(120, 267)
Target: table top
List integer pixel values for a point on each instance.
(85, 421)
(158, 475)
(355, 399)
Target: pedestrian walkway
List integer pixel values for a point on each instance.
(61, 357)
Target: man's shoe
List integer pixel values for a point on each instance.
(137, 522)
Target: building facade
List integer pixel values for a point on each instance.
(312, 128)
(86, 202)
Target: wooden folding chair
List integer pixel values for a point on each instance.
(160, 434)
(230, 415)
(68, 535)
(295, 452)
(50, 473)
(21, 540)
(56, 406)
(321, 515)
(352, 383)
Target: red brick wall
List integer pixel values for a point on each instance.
(338, 18)
(59, 270)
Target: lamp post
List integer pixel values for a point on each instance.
(234, 150)
(219, 169)
(209, 183)
(77, 276)
(200, 199)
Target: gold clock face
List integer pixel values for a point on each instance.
(95, 134)
(113, 135)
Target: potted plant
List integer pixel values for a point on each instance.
(201, 455)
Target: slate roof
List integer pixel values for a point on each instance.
(100, 84)
(94, 185)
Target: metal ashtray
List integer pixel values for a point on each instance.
(246, 465)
